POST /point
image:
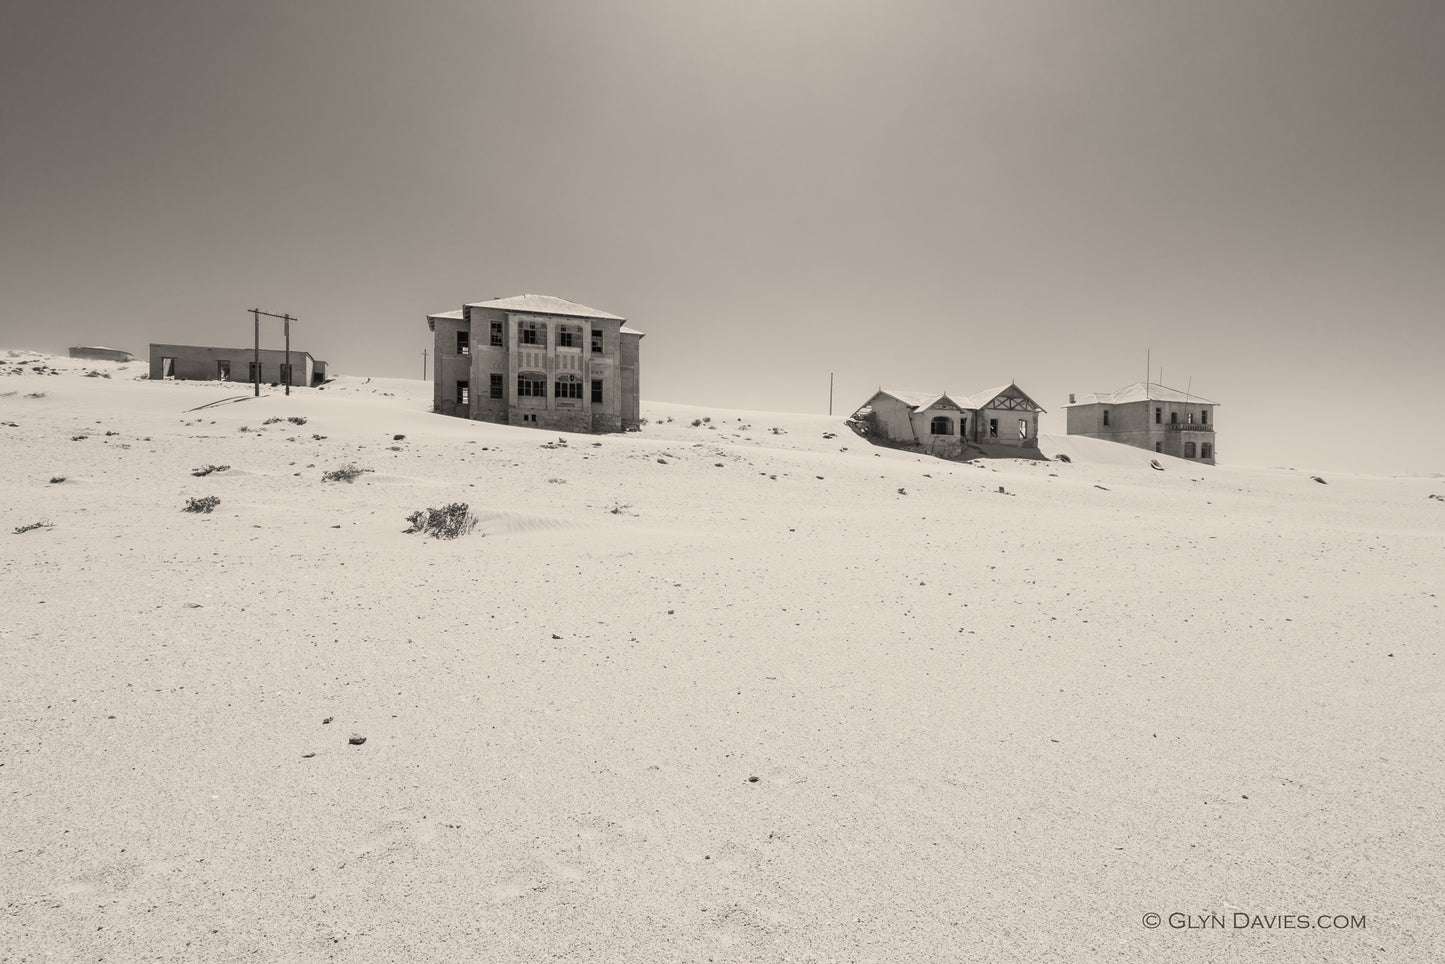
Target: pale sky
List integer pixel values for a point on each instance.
(919, 195)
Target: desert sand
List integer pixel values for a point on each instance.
(746, 690)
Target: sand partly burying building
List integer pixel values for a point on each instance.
(537, 361)
(1149, 416)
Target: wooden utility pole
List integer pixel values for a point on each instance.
(423, 364)
(256, 358)
(256, 314)
(288, 354)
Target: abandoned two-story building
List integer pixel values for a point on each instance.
(995, 418)
(1149, 416)
(538, 361)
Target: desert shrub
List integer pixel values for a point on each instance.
(208, 469)
(297, 419)
(36, 395)
(1063, 458)
(775, 430)
(79, 438)
(696, 422)
(273, 420)
(347, 473)
(204, 504)
(43, 524)
(618, 508)
(448, 522)
(244, 428)
(56, 478)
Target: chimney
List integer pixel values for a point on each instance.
(1071, 398)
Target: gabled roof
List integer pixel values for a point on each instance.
(922, 401)
(1141, 392)
(545, 305)
(979, 400)
(918, 401)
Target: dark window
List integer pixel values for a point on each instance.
(1204, 417)
(1158, 415)
(464, 346)
(1206, 450)
(531, 385)
(567, 386)
(941, 425)
(1173, 418)
(496, 334)
(569, 336)
(963, 426)
(596, 341)
(496, 384)
(533, 333)
(464, 394)
(1158, 446)
(223, 370)
(1106, 416)
(993, 428)
(597, 390)
(1189, 450)
(285, 374)
(255, 372)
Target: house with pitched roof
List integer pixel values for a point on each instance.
(537, 361)
(991, 421)
(1149, 416)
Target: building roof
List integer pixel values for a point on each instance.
(918, 401)
(456, 315)
(544, 305)
(980, 400)
(922, 401)
(1141, 392)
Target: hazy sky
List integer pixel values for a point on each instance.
(923, 195)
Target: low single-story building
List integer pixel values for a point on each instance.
(204, 363)
(1003, 417)
(100, 353)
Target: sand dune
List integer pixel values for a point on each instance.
(995, 710)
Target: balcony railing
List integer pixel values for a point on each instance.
(1188, 427)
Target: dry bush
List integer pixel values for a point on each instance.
(448, 522)
(43, 524)
(204, 504)
(347, 473)
(208, 469)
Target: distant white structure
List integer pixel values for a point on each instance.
(1148, 416)
(991, 421)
